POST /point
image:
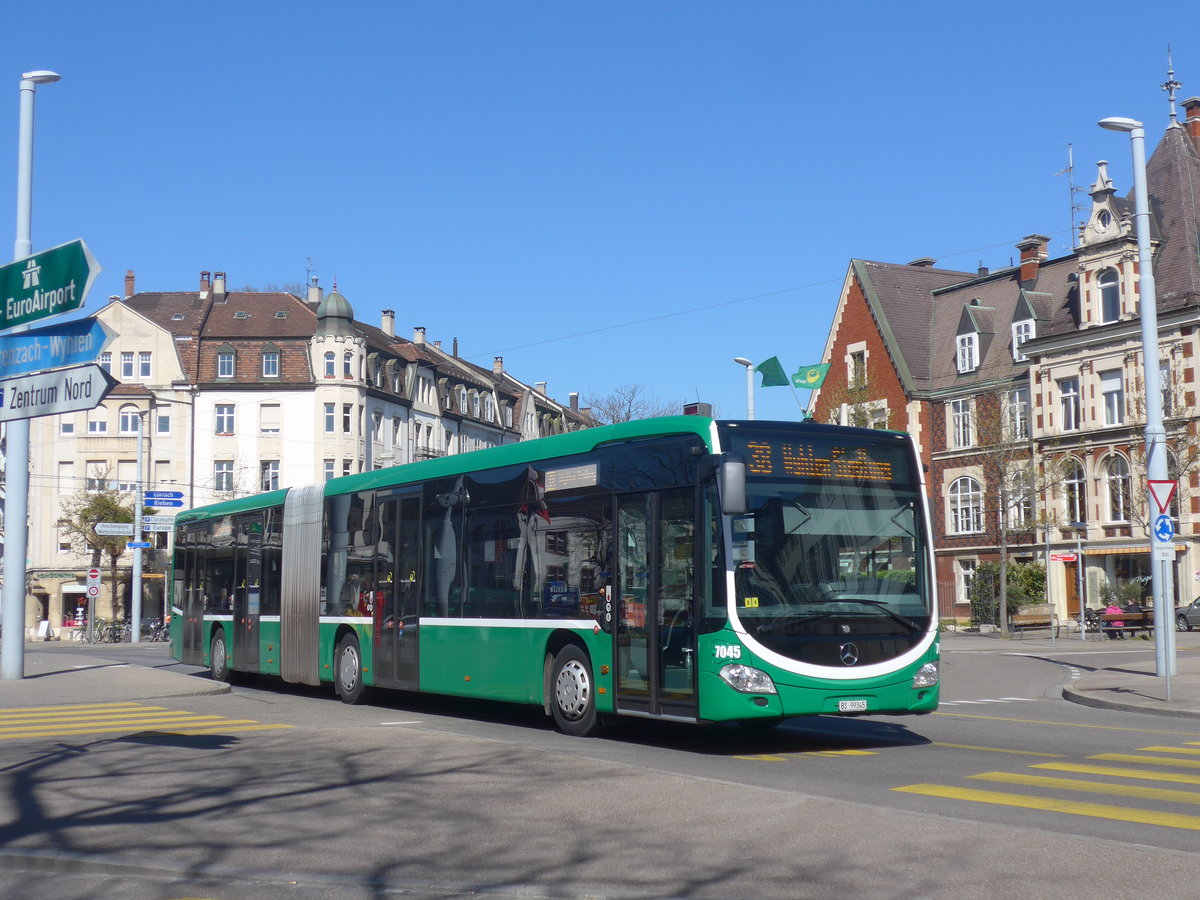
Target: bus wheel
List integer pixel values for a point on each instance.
(574, 693)
(347, 667)
(218, 657)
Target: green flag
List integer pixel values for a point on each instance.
(810, 376)
(772, 372)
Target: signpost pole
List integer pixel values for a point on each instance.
(135, 606)
(16, 503)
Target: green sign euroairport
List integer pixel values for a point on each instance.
(46, 284)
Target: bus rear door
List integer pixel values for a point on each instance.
(396, 608)
(247, 591)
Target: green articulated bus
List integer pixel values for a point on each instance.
(677, 568)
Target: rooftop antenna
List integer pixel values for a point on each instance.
(309, 269)
(1073, 189)
(1170, 85)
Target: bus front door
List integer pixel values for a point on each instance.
(247, 591)
(397, 597)
(193, 555)
(656, 623)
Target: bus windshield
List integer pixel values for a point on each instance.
(821, 558)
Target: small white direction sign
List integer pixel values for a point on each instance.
(158, 520)
(59, 391)
(124, 529)
(165, 527)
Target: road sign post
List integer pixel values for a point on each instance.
(46, 284)
(93, 592)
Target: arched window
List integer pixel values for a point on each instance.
(348, 365)
(1075, 491)
(1110, 296)
(330, 365)
(966, 506)
(1118, 482)
(1020, 500)
(129, 420)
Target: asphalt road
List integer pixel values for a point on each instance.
(1006, 790)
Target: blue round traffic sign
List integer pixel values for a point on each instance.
(1164, 529)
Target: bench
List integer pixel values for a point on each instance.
(1041, 616)
(1130, 621)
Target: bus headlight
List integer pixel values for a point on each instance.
(927, 675)
(747, 679)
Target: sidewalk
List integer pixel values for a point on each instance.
(1132, 686)
(58, 674)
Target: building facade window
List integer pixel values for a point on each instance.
(1020, 506)
(1068, 397)
(330, 364)
(1017, 414)
(330, 418)
(347, 418)
(966, 579)
(1021, 332)
(1110, 296)
(224, 418)
(1118, 483)
(377, 426)
(1074, 492)
(66, 426)
(225, 364)
(97, 420)
(128, 420)
(96, 475)
(1112, 392)
(270, 364)
(106, 362)
(270, 418)
(162, 422)
(857, 371)
(961, 429)
(223, 475)
(127, 365)
(328, 470)
(1164, 385)
(268, 471)
(966, 506)
(968, 352)
(347, 364)
(143, 365)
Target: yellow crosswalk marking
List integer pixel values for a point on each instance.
(1049, 804)
(1169, 750)
(995, 749)
(1149, 760)
(1091, 787)
(1141, 774)
(115, 718)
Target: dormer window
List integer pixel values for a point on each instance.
(968, 352)
(1021, 332)
(1110, 296)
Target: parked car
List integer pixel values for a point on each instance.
(1188, 617)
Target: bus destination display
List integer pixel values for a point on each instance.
(798, 459)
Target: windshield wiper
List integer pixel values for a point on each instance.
(884, 608)
(783, 623)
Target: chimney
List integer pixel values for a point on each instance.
(983, 270)
(205, 283)
(455, 345)
(419, 335)
(540, 387)
(389, 322)
(497, 365)
(574, 395)
(218, 286)
(925, 262)
(1033, 251)
(128, 283)
(314, 290)
(1191, 108)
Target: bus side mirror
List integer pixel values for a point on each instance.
(731, 480)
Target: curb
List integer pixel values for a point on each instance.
(1087, 699)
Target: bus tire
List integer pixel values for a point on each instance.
(573, 693)
(347, 670)
(218, 657)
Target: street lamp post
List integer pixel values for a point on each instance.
(742, 361)
(16, 501)
(1156, 443)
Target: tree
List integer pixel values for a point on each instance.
(1024, 585)
(82, 512)
(860, 398)
(628, 402)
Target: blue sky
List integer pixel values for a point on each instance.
(602, 193)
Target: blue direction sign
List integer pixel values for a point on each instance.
(159, 504)
(135, 545)
(46, 284)
(163, 495)
(1164, 529)
(53, 347)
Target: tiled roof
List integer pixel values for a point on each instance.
(1173, 181)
